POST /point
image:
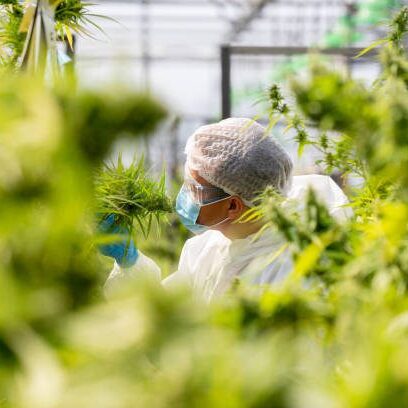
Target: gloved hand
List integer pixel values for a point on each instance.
(123, 250)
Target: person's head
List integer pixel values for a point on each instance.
(228, 165)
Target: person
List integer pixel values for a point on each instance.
(228, 165)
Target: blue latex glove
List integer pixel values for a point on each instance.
(123, 250)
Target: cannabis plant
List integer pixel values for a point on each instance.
(70, 17)
(131, 195)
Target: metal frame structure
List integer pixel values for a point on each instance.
(243, 22)
(173, 48)
(161, 33)
(229, 20)
(227, 51)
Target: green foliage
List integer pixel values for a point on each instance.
(75, 16)
(130, 194)
(371, 144)
(71, 13)
(71, 16)
(398, 29)
(48, 268)
(166, 247)
(334, 334)
(11, 39)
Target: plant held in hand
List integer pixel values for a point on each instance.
(131, 195)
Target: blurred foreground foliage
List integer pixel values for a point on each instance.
(52, 142)
(333, 335)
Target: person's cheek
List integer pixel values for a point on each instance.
(206, 215)
(201, 216)
(211, 214)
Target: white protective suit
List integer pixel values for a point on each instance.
(210, 262)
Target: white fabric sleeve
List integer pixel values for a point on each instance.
(183, 274)
(338, 202)
(327, 191)
(144, 267)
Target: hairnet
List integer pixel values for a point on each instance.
(238, 156)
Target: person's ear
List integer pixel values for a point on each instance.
(236, 208)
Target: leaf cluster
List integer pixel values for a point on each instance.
(362, 131)
(70, 16)
(11, 38)
(130, 194)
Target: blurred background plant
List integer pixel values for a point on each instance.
(333, 335)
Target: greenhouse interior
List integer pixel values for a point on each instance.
(204, 203)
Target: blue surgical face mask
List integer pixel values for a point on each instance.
(188, 212)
